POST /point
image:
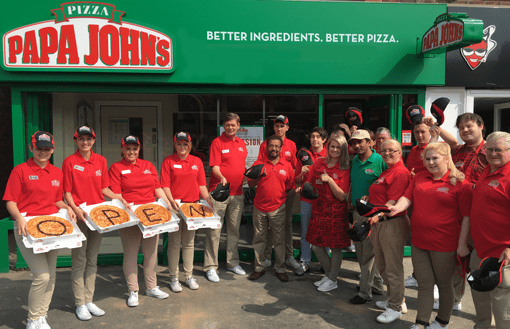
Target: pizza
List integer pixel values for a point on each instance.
(196, 210)
(105, 216)
(45, 226)
(152, 214)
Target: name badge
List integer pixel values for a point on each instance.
(79, 168)
(124, 172)
(225, 151)
(177, 166)
(33, 177)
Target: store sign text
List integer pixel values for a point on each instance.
(75, 40)
(444, 34)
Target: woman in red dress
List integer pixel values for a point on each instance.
(329, 222)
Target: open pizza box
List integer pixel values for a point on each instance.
(40, 245)
(116, 203)
(196, 222)
(171, 226)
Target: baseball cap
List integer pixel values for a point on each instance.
(354, 117)
(221, 192)
(281, 118)
(415, 113)
(305, 156)
(130, 140)
(437, 109)
(359, 231)
(367, 209)
(182, 136)
(43, 139)
(309, 192)
(254, 172)
(488, 275)
(84, 130)
(360, 134)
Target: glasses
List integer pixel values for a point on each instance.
(390, 152)
(497, 151)
(274, 147)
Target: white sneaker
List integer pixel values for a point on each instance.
(436, 325)
(34, 324)
(212, 275)
(83, 314)
(383, 304)
(267, 263)
(133, 299)
(328, 285)
(175, 285)
(237, 270)
(94, 310)
(157, 293)
(410, 281)
(388, 316)
(436, 292)
(44, 323)
(351, 248)
(456, 307)
(321, 281)
(291, 262)
(414, 326)
(192, 283)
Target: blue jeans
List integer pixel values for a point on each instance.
(306, 214)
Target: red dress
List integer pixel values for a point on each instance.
(329, 222)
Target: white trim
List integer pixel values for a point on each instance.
(497, 114)
(159, 108)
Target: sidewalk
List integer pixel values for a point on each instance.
(234, 302)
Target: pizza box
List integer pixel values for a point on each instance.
(171, 226)
(94, 227)
(194, 223)
(40, 245)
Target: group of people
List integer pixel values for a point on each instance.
(451, 197)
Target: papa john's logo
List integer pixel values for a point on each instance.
(494, 183)
(99, 173)
(55, 183)
(478, 53)
(147, 172)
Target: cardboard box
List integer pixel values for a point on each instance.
(170, 226)
(195, 223)
(94, 227)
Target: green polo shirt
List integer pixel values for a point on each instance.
(364, 174)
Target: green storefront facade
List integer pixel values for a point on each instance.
(156, 67)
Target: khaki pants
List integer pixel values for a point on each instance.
(434, 267)
(292, 197)
(230, 212)
(500, 300)
(484, 318)
(131, 238)
(370, 278)
(175, 239)
(261, 222)
(43, 267)
(331, 264)
(388, 239)
(84, 265)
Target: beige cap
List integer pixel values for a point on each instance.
(360, 134)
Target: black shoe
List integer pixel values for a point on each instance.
(358, 300)
(283, 277)
(374, 292)
(256, 275)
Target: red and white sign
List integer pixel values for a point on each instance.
(79, 41)
(443, 34)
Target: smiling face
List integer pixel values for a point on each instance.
(231, 127)
(497, 153)
(360, 146)
(130, 152)
(435, 163)
(391, 153)
(273, 149)
(182, 148)
(334, 150)
(316, 141)
(85, 143)
(470, 132)
(280, 129)
(41, 155)
(421, 133)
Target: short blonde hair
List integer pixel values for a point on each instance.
(343, 162)
(444, 150)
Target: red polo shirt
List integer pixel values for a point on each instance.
(489, 212)
(288, 152)
(35, 189)
(85, 179)
(437, 207)
(414, 159)
(136, 182)
(183, 177)
(299, 166)
(230, 156)
(471, 161)
(391, 185)
(272, 188)
(341, 177)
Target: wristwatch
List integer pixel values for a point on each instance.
(380, 216)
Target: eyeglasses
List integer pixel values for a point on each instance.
(497, 151)
(273, 147)
(390, 152)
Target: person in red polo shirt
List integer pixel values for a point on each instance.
(414, 160)
(86, 181)
(318, 136)
(36, 187)
(136, 180)
(438, 196)
(183, 178)
(490, 222)
(288, 153)
(227, 158)
(269, 207)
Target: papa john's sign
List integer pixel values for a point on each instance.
(87, 36)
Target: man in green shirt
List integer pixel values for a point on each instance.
(366, 167)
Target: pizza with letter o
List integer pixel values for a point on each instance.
(46, 226)
(152, 214)
(192, 210)
(105, 216)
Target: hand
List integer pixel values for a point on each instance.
(393, 210)
(374, 220)
(353, 129)
(412, 173)
(209, 201)
(429, 121)
(264, 173)
(365, 198)
(223, 181)
(305, 169)
(298, 190)
(125, 203)
(434, 133)
(462, 250)
(325, 178)
(22, 226)
(174, 205)
(71, 214)
(505, 257)
(80, 214)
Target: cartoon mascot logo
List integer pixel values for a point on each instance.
(477, 54)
